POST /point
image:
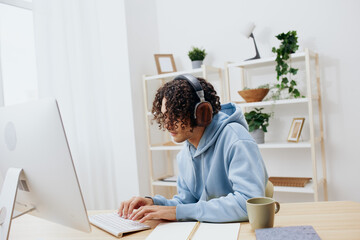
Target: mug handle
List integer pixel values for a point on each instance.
(277, 207)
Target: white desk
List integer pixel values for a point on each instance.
(331, 220)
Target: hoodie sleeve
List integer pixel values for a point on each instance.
(248, 176)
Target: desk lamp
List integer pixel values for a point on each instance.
(248, 32)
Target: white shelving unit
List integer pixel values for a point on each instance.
(307, 189)
(165, 148)
(307, 57)
(164, 183)
(164, 145)
(270, 145)
(269, 103)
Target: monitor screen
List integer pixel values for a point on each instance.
(32, 138)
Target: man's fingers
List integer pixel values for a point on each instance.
(121, 209)
(134, 213)
(125, 211)
(145, 213)
(139, 214)
(148, 217)
(132, 205)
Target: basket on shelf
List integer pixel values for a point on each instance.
(254, 95)
(289, 181)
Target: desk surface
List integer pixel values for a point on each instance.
(331, 220)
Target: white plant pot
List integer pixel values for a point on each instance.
(196, 64)
(258, 135)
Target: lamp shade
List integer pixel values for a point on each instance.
(248, 29)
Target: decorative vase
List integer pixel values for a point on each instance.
(258, 136)
(254, 95)
(196, 64)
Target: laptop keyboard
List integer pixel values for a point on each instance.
(116, 225)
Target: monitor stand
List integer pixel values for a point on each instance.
(7, 201)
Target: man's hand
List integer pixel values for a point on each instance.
(150, 212)
(126, 208)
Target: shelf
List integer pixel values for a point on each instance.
(268, 61)
(270, 145)
(170, 146)
(174, 74)
(284, 145)
(276, 102)
(307, 189)
(163, 183)
(306, 61)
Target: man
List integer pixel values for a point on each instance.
(220, 165)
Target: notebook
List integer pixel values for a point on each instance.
(195, 231)
(208, 231)
(287, 233)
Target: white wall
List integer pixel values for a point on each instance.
(143, 42)
(116, 66)
(83, 60)
(327, 27)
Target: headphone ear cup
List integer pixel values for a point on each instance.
(204, 114)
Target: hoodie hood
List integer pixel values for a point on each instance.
(229, 113)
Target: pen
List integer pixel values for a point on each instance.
(193, 231)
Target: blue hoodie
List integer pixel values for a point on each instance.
(217, 178)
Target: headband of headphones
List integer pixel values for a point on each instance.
(194, 82)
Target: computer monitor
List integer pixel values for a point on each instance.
(32, 138)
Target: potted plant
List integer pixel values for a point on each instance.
(197, 56)
(254, 94)
(258, 123)
(283, 67)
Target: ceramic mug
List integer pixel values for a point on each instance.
(261, 212)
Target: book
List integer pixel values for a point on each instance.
(170, 179)
(287, 233)
(195, 231)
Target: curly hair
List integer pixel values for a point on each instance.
(181, 100)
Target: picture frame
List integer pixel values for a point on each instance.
(295, 129)
(165, 63)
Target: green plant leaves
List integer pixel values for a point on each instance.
(293, 71)
(288, 46)
(264, 128)
(197, 54)
(296, 93)
(257, 119)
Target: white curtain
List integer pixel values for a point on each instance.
(75, 61)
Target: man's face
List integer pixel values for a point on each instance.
(178, 134)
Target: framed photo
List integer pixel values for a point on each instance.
(165, 63)
(295, 129)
